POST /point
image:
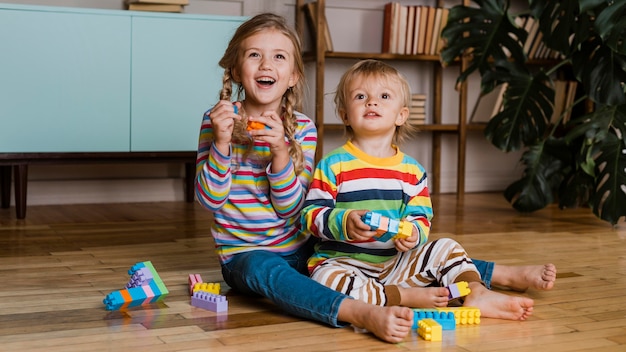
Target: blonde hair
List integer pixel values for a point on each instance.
(292, 96)
(378, 70)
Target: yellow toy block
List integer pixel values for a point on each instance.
(429, 329)
(458, 289)
(464, 315)
(208, 287)
(405, 229)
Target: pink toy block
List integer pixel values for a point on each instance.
(193, 280)
(209, 301)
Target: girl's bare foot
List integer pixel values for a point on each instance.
(390, 324)
(423, 297)
(498, 305)
(522, 277)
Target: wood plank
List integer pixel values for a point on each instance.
(62, 260)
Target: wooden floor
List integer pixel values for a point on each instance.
(57, 265)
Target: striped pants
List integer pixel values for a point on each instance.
(437, 263)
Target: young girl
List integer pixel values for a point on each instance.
(370, 173)
(255, 182)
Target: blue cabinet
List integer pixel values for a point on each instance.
(175, 78)
(82, 80)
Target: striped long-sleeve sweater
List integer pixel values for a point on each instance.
(253, 208)
(348, 179)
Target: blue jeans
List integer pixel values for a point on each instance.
(485, 269)
(284, 280)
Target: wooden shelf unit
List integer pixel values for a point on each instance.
(437, 128)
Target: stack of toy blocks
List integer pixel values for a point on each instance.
(429, 330)
(464, 315)
(387, 228)
(145, 286)
(445, 319)
(206, 295)
(458, 289)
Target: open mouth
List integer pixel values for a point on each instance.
(266, 81)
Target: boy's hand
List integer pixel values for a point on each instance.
(356, 229)
(404, 244)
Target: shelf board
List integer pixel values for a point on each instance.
(451, 127)
(309, 56)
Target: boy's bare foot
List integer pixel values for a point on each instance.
(522, 277)
(390, 324)
(423, 297)
(498, 305)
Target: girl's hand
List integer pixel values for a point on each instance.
(404, 244)
(274, 135)
(223, 120)
(356, 229)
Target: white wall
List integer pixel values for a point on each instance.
(355, 26)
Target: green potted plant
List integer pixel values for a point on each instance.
(582, 162)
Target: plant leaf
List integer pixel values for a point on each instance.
(488, 33)
(610, 22)
(604, 156)
(543, 173)
(557, 22)
(609, 198)
(525, 115)
(602, 72)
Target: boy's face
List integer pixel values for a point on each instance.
(374, 106)
(266, 68)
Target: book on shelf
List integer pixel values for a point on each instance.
(413, 30)
(154, 7)
(168, 2)
(310, 9)
(422, 30)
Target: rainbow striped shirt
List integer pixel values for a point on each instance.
(348, 179)
(253, 208)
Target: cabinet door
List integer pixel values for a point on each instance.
(175, 78)
(64, 81)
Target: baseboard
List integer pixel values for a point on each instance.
(104, 191)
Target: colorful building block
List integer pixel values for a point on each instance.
(445, 319)
(209, 287)
(145, 286)
(387, 228)
(429, 330)
(209, 301)
(464, 315)
(458, 289)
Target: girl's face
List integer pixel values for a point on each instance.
(266, 69)
(374, 106)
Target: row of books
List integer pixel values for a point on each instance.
(491, 104)
(417, 109)
(156, 5)
(533, 46)
(413, 30)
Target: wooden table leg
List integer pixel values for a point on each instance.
(21, 180)
(190, 181)
(5, 186)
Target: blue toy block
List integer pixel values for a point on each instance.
(445, 319)
(387, 228)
